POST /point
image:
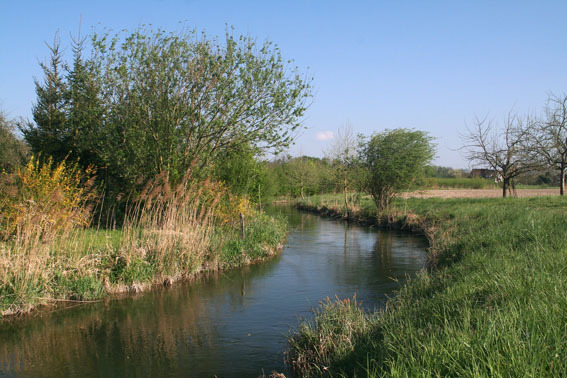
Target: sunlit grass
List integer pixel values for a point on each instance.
(494, 305)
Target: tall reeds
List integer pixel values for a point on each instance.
(40, 204)
(169, 229)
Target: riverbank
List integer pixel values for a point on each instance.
(495, 303)
(87, 265)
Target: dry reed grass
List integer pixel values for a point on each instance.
(168, 234)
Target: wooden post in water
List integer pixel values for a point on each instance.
(242, 225)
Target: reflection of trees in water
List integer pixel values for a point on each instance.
(372, 258)
(146, 335)
(297, 219)
(396, 253)
(382, 253)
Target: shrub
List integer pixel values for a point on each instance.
(42, 200)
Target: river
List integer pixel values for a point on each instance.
(229, 324)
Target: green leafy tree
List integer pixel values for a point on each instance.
(13, 151)
(394, 159)
(241, 172)
(177, 101)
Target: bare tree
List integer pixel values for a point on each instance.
(550, 136)
(343, 155)
(505, 150)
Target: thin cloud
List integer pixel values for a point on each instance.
(324, 135)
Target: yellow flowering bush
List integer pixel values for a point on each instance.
(231, 207)
(44, 199)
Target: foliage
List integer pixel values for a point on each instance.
(170, 233)
(45, 197)
(13, 152)
(49, 135)
(151, 101)
(179, 100)
(445, 172)
(293, 176)
(394, 159)
(242, 173)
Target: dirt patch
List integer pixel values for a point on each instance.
(479, 193)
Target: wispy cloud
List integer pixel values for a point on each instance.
(324, 135)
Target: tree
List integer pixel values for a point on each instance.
(240, 171)
(302, 174)
(344, 157)
(394, 159)
(550, 137)
(13, 152)
(176, 101)
(506, 151)
(85, 113)
(49, 135)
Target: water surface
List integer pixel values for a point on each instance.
(230, 324)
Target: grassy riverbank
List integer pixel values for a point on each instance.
(89, 264)
(494, 304)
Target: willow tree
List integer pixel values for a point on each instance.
(394, 159)
(176, 101)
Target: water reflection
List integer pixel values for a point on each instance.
(229, 324)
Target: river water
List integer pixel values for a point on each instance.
(230, 324)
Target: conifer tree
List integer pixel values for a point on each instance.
(48, 134)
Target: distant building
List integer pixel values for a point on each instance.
(486, 173)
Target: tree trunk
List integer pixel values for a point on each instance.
(346, 200)
(562, 182)
(504, 187)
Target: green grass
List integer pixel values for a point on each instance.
(90, 264)
(263, 235)
(459, 183)
(495, 305)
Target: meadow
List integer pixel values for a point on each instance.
(490, 303)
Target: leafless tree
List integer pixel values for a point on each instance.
(550, 136)
(343, 154)
(506, 149)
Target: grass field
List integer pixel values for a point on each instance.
(479, 193)
(493, 303)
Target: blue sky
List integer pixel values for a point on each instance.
(428, 65)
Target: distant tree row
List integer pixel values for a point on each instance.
(382, 165)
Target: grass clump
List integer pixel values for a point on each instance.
(322, 345)
(494, 304)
